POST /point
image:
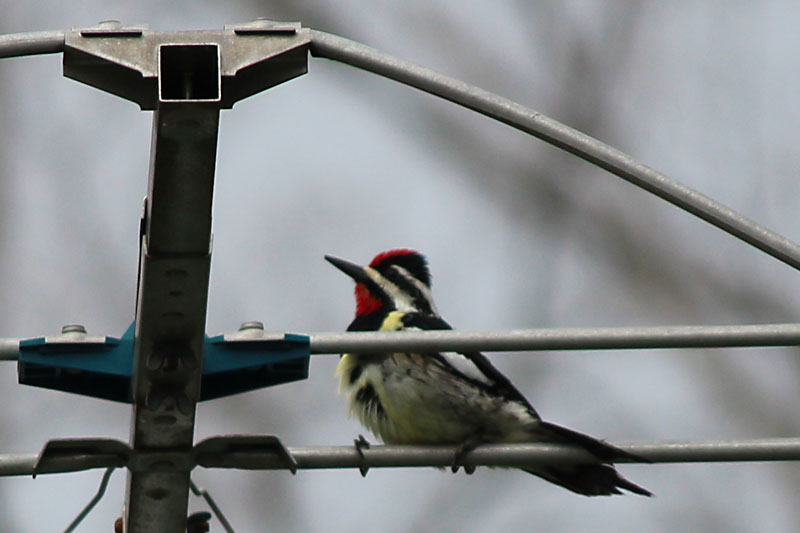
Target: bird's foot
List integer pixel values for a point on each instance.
(458, 459)
(362, 444)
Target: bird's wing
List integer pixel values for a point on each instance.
(471, 366)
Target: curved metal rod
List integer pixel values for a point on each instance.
(515, 115)
(101, 490)
(571, 140)
(31, 43)
(203, 493)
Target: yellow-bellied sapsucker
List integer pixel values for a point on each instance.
(449, 398)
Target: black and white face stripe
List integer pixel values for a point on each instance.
(395, 288)
(393, 284)
(417, 292)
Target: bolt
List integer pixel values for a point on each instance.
(110, 24)
(73, 328)
(251, 330)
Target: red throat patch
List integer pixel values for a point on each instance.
(366, 303)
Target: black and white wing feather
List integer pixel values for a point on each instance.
(471, 366)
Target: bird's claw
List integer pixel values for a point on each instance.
(362, 444)
(458, 458)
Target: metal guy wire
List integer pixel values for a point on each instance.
(101, 490)
(212, 504)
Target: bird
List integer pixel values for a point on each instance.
(449, 398)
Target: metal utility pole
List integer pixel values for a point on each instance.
(185, 78)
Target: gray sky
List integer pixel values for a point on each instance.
(518, 235)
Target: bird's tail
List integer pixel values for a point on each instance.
(589, 479)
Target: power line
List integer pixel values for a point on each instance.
(388, 456)
(623, 338)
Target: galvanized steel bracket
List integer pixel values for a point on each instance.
(224, 66)
(62, 455)
(242, 451)
(221, 451)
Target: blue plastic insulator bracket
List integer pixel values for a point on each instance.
(233, 366)
(101, 367)
(91, 366)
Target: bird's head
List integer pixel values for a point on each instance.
(394, 280)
